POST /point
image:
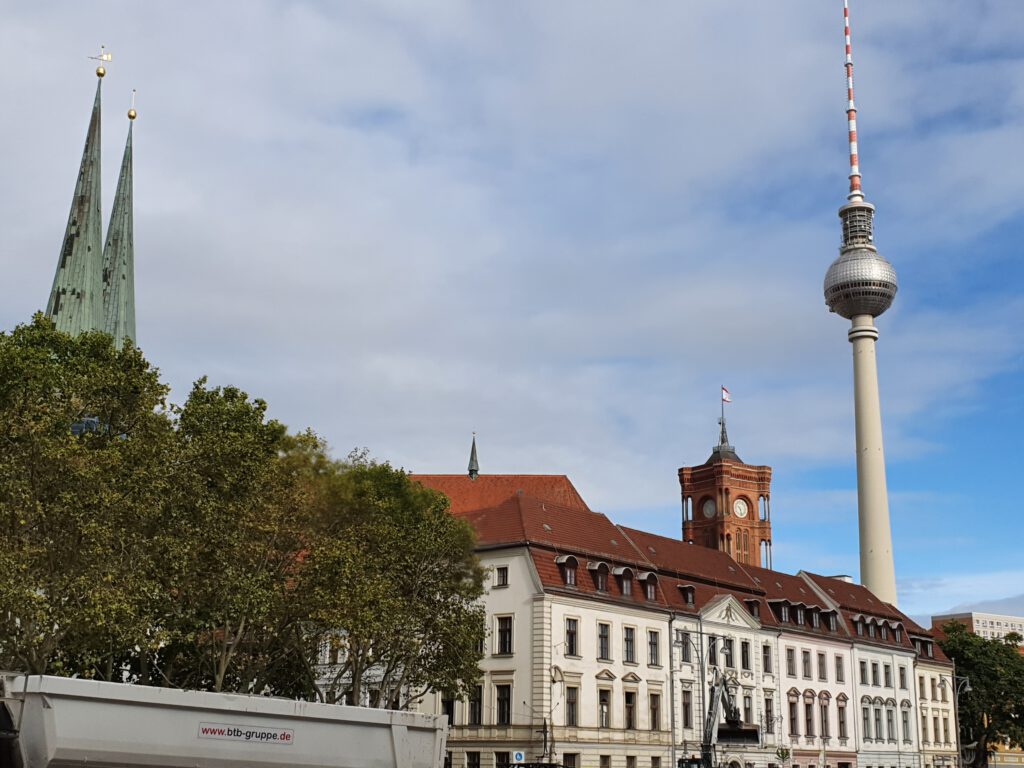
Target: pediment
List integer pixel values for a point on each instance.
(631, 677)
(726, 609)
(605, 674)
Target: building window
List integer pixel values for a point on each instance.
(687, 709)
(935, 690)
(504, 635)
(769, 714)
(832, 623)
(905, 716)
(683, 641)
(655, 761)
(935, 729)
(805, 663)
(924, 728)
(748, 709)
(825, 732)
(887, 671)
(570, 574)
(871, 630)
(945, 730)
(800, 616)
(791, 662)
(504, 709)
(920, 688)
(501, 760)
(745, 655)
(890, 724)
(794, 723)
(866, 716)
(572, 700)
(784, 613)
(630, 761)
(885, 632)
(448, 708)
(629, 713)
(629, 645)
(627, 584)
(655, 711)
(653, 648)
(903, 678)
(650, 591)
(878, 724)
(766, 659)
(874, 673)
(712, 650)
(815, 619)
(605, 761)
(501, 577)
(841, 719)
(604, 633)
(840, 670)
(863, 673)
(822, 666)
(809, 718)
(571, 634)
(476, 706)
(571, 759)
(727, 651)
(898, 634)
(601, 579)
(604, 708)
(472, 760)
(860, 628)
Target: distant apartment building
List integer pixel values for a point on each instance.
(991, 626)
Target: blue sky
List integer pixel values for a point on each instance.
(564, 226)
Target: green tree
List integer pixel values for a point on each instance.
(75, 509)
(993, 709)
(392, 587)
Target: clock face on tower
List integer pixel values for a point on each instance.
(709, 508)
(740, 508)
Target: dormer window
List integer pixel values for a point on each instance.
(800, 616)
(601, 580)
(754, 606)
(627, 585)
(650, 590)
(928, 650)
(885, 632)
(832, 622)
(898, 634)
(688, 594)
(860, 628)
(784, 613)
(815, 619)
(568, 565)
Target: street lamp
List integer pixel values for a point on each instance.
(961, 684)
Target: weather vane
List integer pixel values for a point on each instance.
(103, 57)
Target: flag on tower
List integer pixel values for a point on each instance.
(726, 397)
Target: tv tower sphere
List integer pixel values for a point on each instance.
(860, 281)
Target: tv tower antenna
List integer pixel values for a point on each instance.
(859, 286)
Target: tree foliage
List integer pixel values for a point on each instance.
(204, 546)
(992, 711)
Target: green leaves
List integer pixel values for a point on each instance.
(202, 546)
(993, 709)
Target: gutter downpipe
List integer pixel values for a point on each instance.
(672, 684)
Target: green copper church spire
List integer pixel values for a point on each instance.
(76, 299)
(119, 255)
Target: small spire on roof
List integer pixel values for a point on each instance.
(474, 465)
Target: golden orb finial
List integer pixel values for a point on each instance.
(101, 71)
(132, 114)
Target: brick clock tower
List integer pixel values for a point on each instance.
(727, 505)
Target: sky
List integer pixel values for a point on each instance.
(564, 226)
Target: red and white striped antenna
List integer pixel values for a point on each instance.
(851, 112)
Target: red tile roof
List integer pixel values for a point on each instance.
(488, 491)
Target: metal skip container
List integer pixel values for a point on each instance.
(55, 721)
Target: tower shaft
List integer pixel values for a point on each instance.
(877, 571)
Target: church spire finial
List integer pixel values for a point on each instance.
(76, 297)
(119, 252)
(474, 465)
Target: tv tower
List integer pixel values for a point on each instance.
(859, 286)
